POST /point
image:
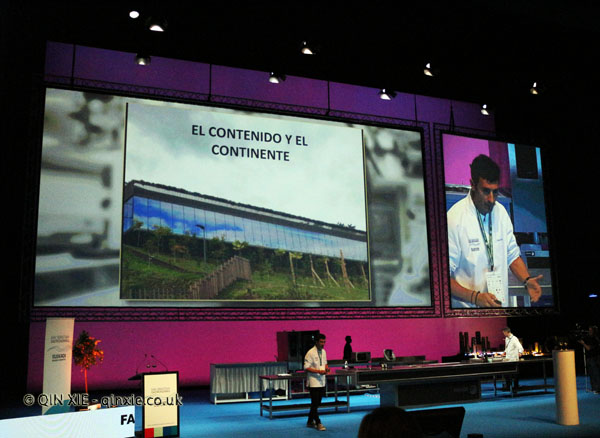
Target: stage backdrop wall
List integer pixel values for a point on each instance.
(190, 347)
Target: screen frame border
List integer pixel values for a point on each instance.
(448, 311)
(145, 313)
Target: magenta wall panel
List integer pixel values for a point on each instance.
(59, 59)
(101, 65)
(363, 100)
(469, 114)
(190, 347)
(254, 85)
(437, 111)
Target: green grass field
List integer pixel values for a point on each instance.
(279, 286)
(139, 273)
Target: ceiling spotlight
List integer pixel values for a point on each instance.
(142, 59)
(275, 78)
(428, 70)
(306, 49)
(385, 94)
(157, 25)
(134, 14)
(534, 89)
(485, 110)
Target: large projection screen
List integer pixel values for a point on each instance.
(148, 203)
(513, 218)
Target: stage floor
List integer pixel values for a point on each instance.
(525, 415)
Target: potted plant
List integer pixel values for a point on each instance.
(86, 353)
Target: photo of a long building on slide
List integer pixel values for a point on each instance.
(179, 245)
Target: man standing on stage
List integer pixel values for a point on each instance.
(512, 351)
(513, 348)
(348, 349)
(315, 365)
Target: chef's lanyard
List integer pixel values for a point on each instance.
(489, 243)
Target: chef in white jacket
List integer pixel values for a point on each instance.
(512, 351)
(512, 347)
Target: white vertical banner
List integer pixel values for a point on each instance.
(58, 357)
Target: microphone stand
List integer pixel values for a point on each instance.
(160, 362)
(137, 368)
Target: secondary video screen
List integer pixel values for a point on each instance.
(153, 203)
(498, 249)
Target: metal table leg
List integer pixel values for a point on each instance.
(347, 393)
(261, 397)
(270, 399)
(335, 391)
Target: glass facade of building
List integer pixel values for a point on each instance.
(182, 219)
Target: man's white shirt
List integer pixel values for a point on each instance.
(312, 360)
(467, 251)
(512, 347)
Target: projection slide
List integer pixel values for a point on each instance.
(498, 246)
(250, 189)
(150, 203)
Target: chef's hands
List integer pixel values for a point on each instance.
(487, 299)
(533, 288)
